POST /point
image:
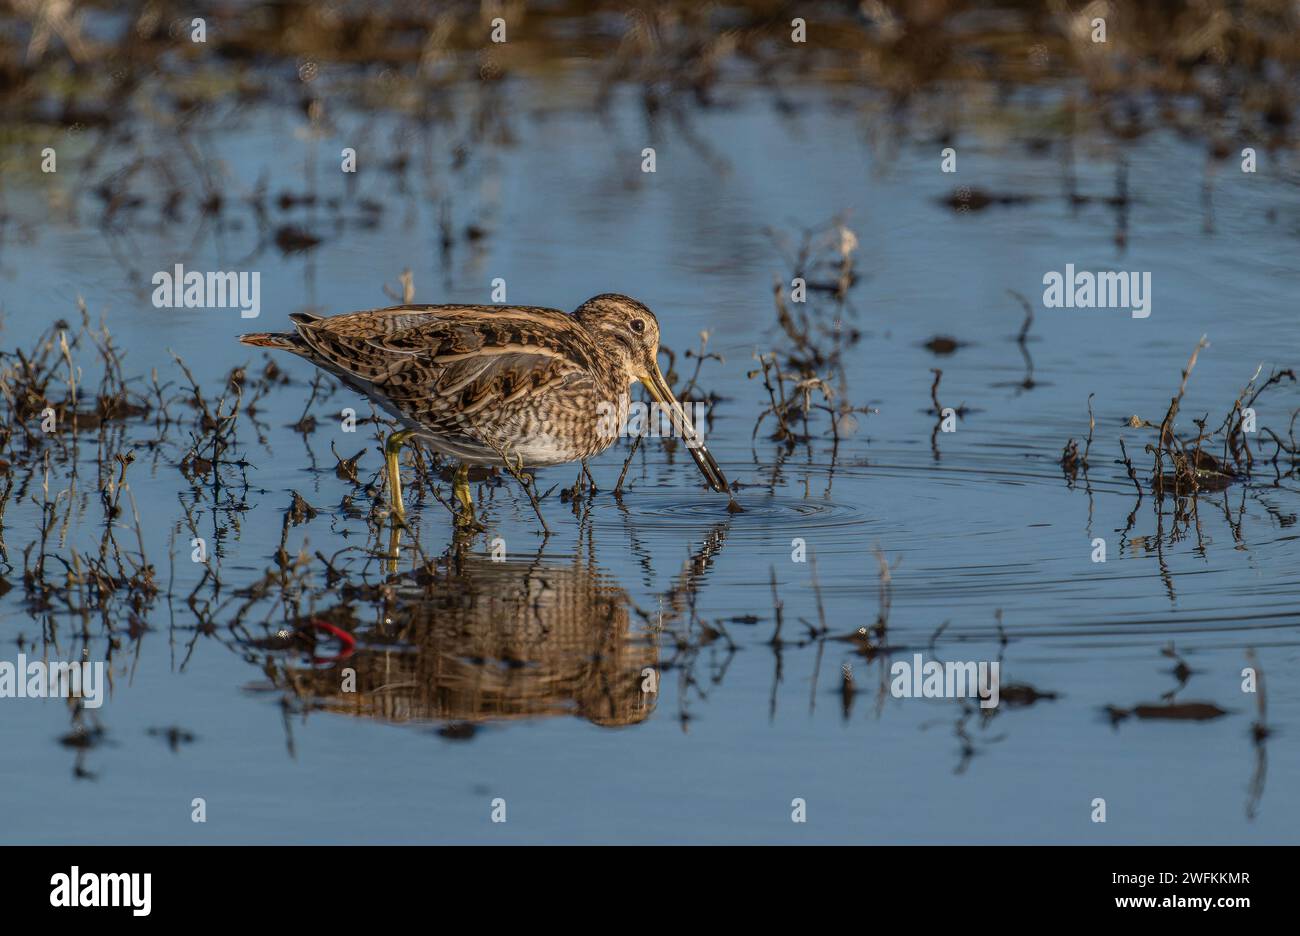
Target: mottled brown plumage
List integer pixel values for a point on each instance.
(485, 383)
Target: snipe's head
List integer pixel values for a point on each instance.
(625, 328)
(629, 330)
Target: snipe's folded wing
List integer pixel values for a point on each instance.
(452, 367)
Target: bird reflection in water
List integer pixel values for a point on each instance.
(471, 641)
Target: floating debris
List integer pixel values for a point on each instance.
(174, 735)
(966, 199)
(1171, 711)
(943, 345)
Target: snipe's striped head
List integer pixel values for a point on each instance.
(626, 327)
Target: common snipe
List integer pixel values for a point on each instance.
(487, 385)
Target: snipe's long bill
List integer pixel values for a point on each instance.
(487, 385)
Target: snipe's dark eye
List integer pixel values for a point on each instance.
(638, 325)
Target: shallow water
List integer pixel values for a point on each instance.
(521, 680)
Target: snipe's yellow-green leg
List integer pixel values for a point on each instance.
(460, 486)
(392, 448)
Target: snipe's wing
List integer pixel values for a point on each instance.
(451, 368)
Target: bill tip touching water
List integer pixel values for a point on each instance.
(519, 386)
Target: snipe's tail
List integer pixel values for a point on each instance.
(285, 341)
(281, 340)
